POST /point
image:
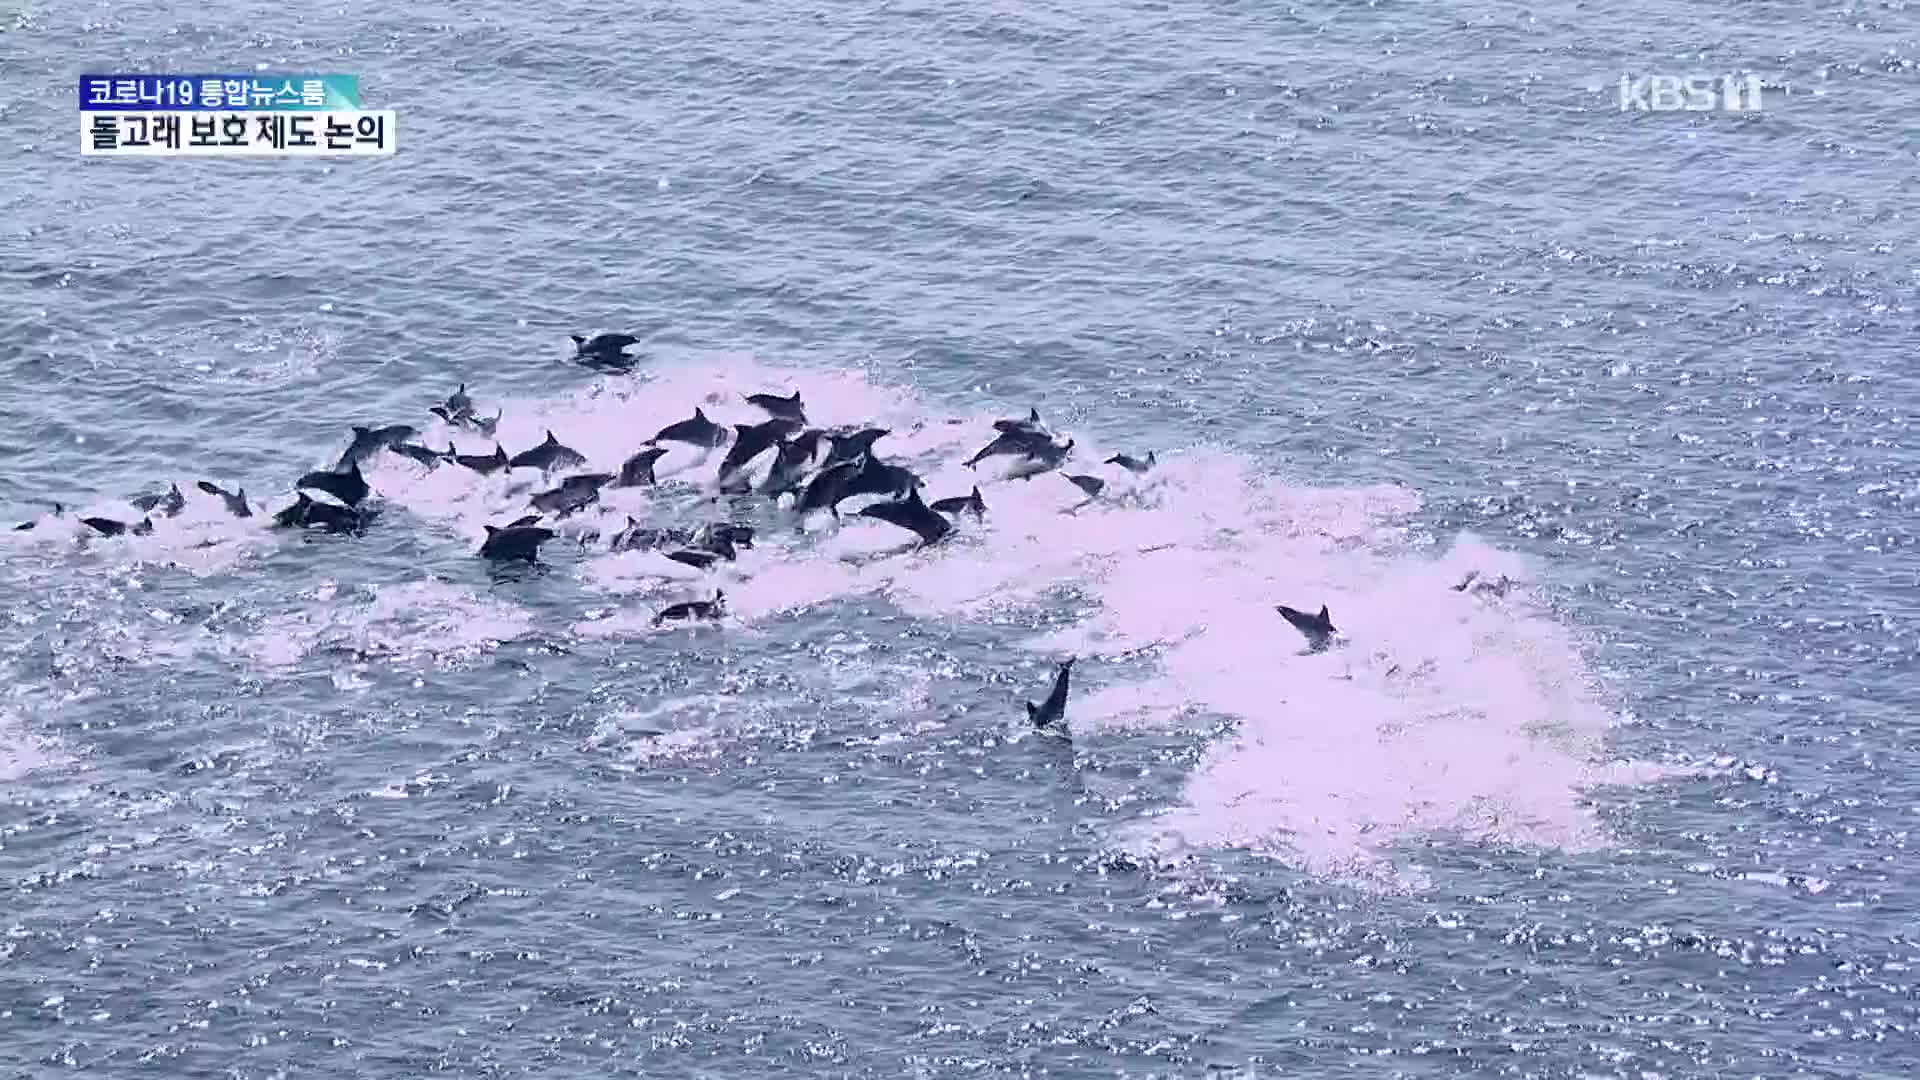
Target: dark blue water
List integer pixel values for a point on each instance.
(1394, 291)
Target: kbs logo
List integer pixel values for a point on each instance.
(1690, 93)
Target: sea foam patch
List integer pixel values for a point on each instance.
(1442, 710)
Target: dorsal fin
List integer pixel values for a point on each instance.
(490, 529)
(550, 437)
(1324, 617)
(699, 413)
(1033, 416)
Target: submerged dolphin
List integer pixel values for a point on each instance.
(1318, 629)
(780, 408)
(605, 351)
(699, 560)
(1031, 425)
(458, 408)
(170, 503)
(696, 431)
(58, 511)
(548, 456)
(307, 512)
(695, 609)
(1051, 714)
(236, 501)
(1092, 485)
(110, 527)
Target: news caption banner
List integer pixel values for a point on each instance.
(230, 116)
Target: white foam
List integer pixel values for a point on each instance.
(1444, 711)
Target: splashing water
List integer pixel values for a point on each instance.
(1440, 711)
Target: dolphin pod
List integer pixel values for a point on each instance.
(808, 469)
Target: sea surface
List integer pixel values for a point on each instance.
(1394, 291)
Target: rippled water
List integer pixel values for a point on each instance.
(1394, 291)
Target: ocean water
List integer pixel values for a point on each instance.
(1395, 292)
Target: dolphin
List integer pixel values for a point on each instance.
(236, 501)
(1132, 464)
(696, 430)
(749, 442)
(484, 464)
(170, 503)
(370, 441)
(960, 504)
(1092, 485)
(309, 511)
(605, 351)
(699, 560)
(347, 485)
(1318, 629)
(1029, 425)
(695, 609)
(638, 469)
(1016, 441)
(828, 487)
(808, 442)
(575, 493)
(847, 445)
(1044, 457)
(913, 515)
(722, 539)
(876, 477)
(548, 456)
(58, 511)
(424, 455)
(1051, 714)
(1474, 583)
(780, 408)
(789, 465)
(635, 537)
(516, 541)
(458, 408)
(110, 527)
